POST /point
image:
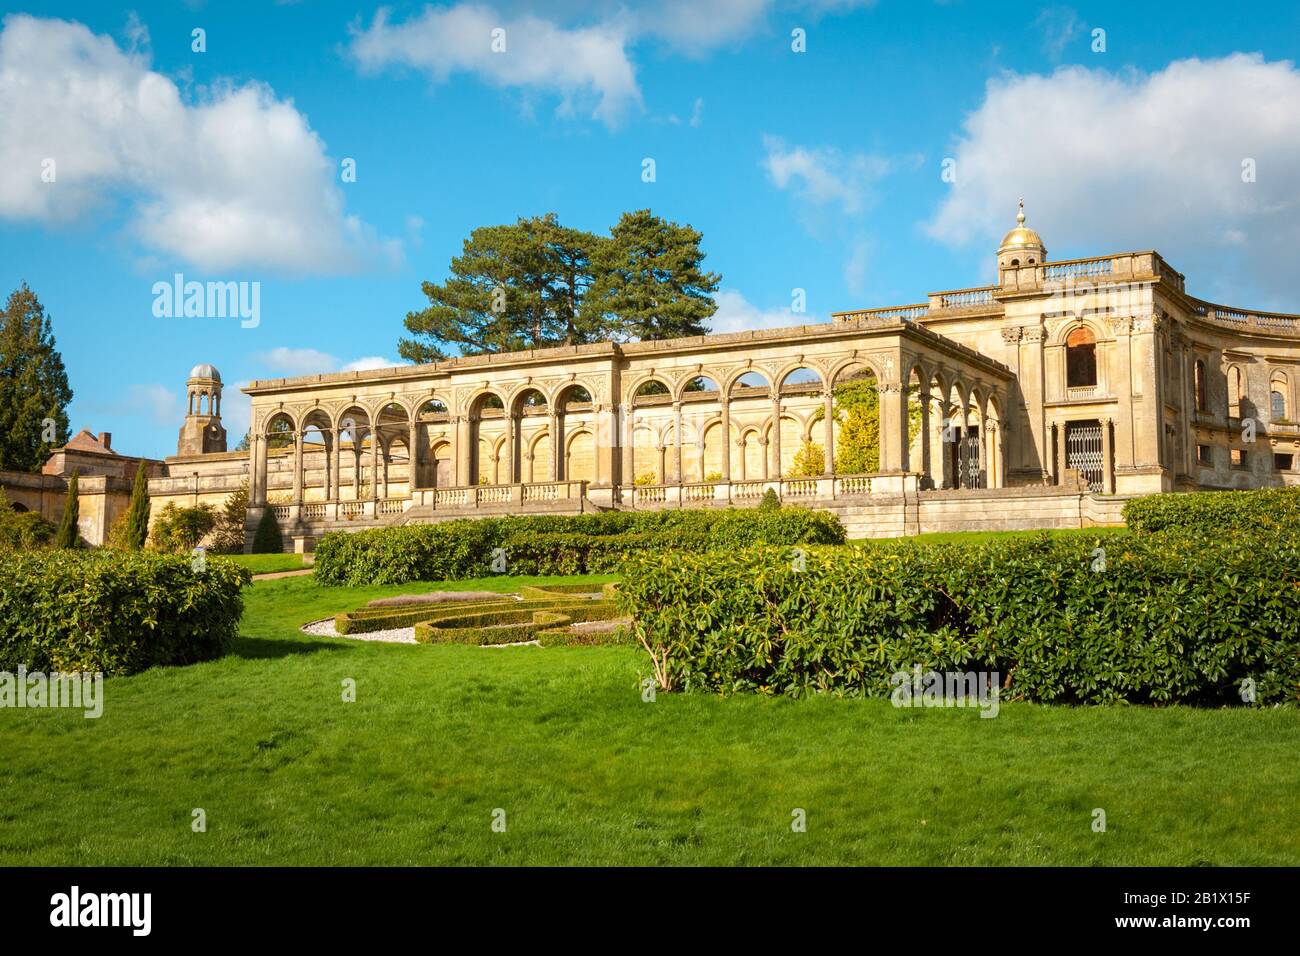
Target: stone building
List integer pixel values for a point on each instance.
(1043, 399)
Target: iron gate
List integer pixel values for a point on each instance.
(967, 469)
(1083, 452)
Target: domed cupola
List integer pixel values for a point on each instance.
(1021, 246)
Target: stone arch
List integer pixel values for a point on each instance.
(756, 379)
(638, 389)
(705, 386)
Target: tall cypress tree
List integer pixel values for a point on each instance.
(137, 513)
(33, 385)
(68, 536)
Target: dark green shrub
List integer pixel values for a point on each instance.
(114, 612)
(1217, 512)
(771, 501)
(1165, 619)
(68, 536)
(466, 548)
(267, 539)
(136, 530)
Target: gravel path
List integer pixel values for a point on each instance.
(396, 635)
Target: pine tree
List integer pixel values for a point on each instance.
(34, 386)
(137, 513)
(512, 287)
(268, 539)
(649, 280)
(68, 535)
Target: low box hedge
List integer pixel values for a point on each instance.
(553, 544)
(485, 627)
(1217, 512)
(115, 612)
(1154, 619)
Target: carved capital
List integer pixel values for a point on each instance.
(1012, 335)
(1033, 333)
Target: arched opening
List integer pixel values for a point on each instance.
(433, 430)
(794, 453)
(277, 481)
(487, 427)
(530, 418)
(574, 410)
(1202, 400)
(653, 432)
(317, 452)
(393, 467)
(580, 456)
(1234, 392)
(1081, 359)
(855, 404)
(355, 441)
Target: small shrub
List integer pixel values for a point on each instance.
(181, 529)
(115, 613)
(267, 539)
(771, 501)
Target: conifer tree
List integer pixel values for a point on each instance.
(68, 535)
(137, 513)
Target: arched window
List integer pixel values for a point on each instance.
(1234, 392)
(1277, 397)
(1080, 359)
(1199, 370)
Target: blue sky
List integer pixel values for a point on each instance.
(819, 170)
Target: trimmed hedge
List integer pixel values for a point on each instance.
(115, 612)
(1217, 512)
(486, 627)
(1170, 618)
(553, 544)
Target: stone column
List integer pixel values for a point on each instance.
(297, 467)
(923, 394)
(1061, 457)
(338, 464)
(828, 429)
(257, 490)
(1107, 451)
(463, 440)
(413, 454)
(677, 427)
(512, 436)
(775, 440)
(374, 463)
(893, 427)
(554, 426)
(726, 438)
(627, 433)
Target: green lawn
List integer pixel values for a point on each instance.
(588, 773)
(266, 563)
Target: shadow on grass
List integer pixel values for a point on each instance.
(255, 648)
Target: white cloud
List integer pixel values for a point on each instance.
(695, 28)
(1112, 162)
(824, 176)
(161, 405)
(298, 361)
(291, 362)
(585, 65)
(1059, 26)
(235, 179)
(367, 362)
(737, 314)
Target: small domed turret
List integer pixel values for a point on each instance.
(1021, 246)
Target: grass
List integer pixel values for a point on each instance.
(267, 563)
(589, 773)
